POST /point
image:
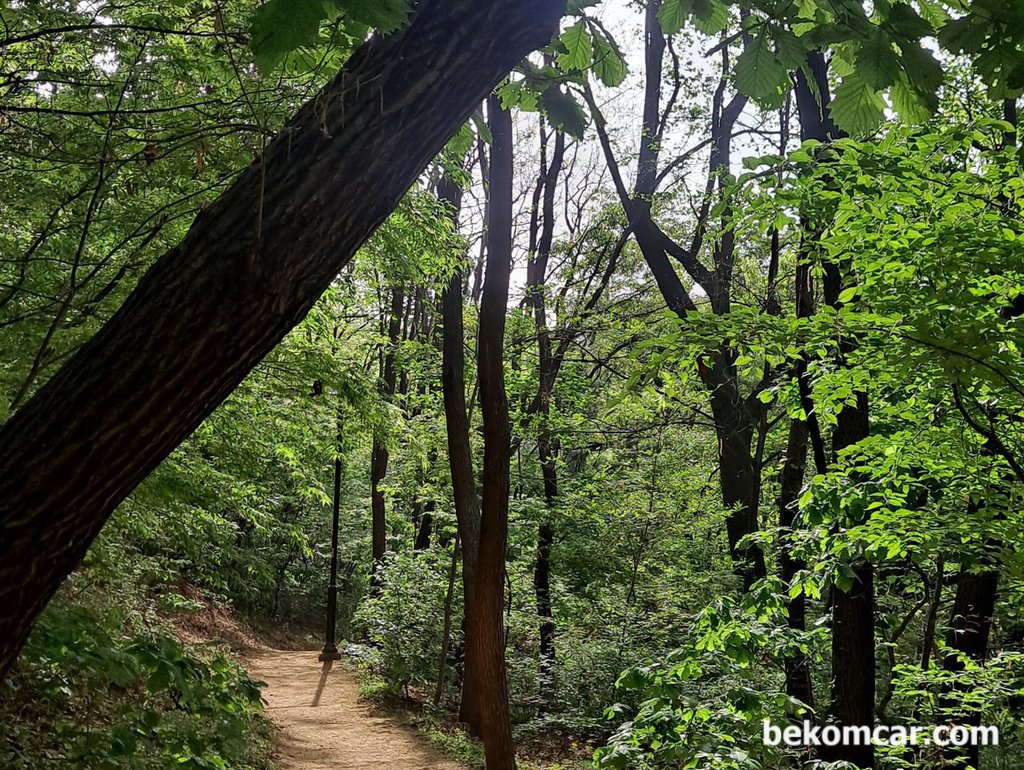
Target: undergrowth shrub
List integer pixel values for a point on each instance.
(103, 685)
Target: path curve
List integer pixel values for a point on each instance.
(323, 726)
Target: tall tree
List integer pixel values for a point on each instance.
(460, 451)
(485, 630)
(853, 611)
(542, 227)
(736, 415)
(379, 455)
(250, 268)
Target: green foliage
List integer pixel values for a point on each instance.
(760, 74)
(280, 27)
(404, 619)
(704, 704)
(117, 695)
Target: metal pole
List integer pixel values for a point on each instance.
(330, 650)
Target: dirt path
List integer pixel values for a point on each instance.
(324, 727)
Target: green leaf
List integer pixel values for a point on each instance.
(482, 129)
(280, 26)
(857, 107)
(385, 15)
(609, 66)
(877, 61)
(908, 103)
(790, 49)
(906, 21)
(564, 112)
(759, 73)
(672, 15)
(712, 16)
(516, 94)
(579, 49)
(924, 72)
(966, 34)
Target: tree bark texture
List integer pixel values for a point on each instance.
(250, 268)
(537, 269)
(485, 631)
(460, 452)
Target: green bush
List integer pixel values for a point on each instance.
(404, 619)
(102, 686)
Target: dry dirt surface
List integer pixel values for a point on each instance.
(323, 726)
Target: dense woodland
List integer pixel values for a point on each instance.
(661, 361)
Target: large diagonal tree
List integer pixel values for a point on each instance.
(250, 268)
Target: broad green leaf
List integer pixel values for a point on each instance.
(790, 49)
(857, 107)
(906, 21)
(579, 49)
(609, 66)
(280, 26)
(759, 73)
(908, 103)
(923, 71)
(672, 15)
(564, 112)
(385, 15)
(877, 61)
(712, 16)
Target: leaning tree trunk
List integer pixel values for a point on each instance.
(252, 265)
(485, 632)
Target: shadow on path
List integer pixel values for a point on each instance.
(334, 731)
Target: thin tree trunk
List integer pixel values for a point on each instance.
(442, 664)
(253, 264)
(460, 453)
(798, 670)
(485, 624)
(853, 611)
(380, 455)
(547, 372)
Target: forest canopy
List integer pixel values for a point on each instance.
(601, 384)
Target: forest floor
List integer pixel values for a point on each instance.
(322, 725)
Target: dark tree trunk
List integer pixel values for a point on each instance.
(798, 670)
(252, 265)
(485, 631)
(736, 418)
(460, 453)
(738, 477)
(425, 528)
(547, 372)
(799, 683)
(380, 455)
(853, 611)
(969, 630)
